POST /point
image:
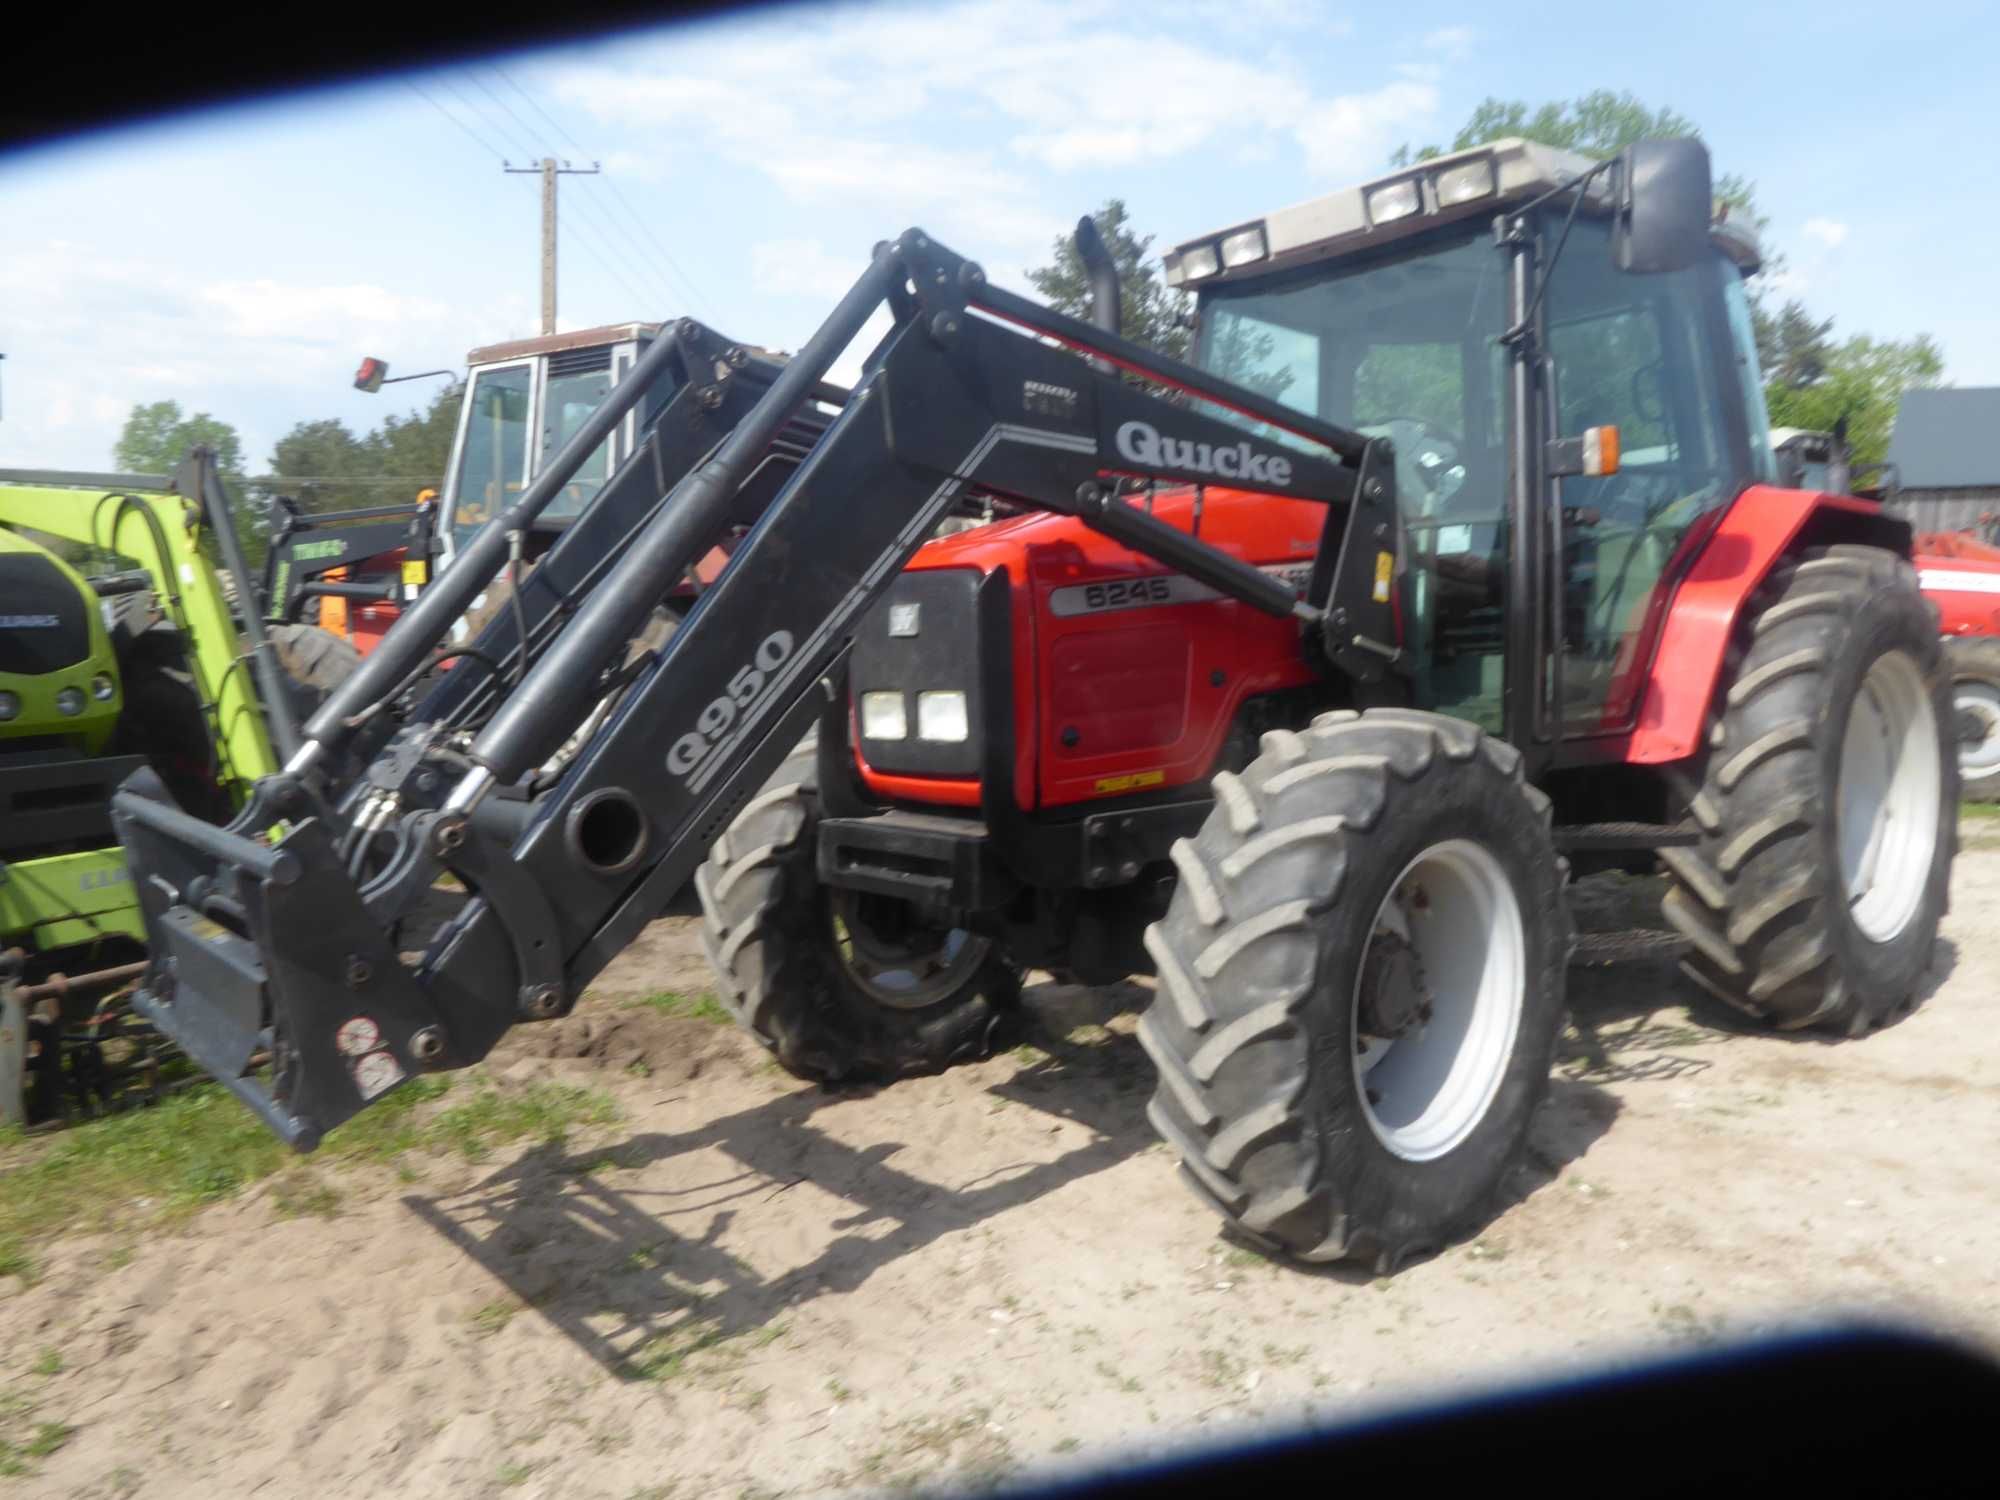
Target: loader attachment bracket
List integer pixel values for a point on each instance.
(268, 970)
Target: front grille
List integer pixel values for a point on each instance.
(44, 624)
(943, 654)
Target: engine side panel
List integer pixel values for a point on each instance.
(1137, 674)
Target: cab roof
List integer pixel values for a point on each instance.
(1470, 184)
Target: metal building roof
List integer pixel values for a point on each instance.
(1947, 438)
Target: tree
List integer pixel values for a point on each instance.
(325, 466)
(1154, 313)
(1794, 348)
(157, 437)
(418, 446)
(1863, 381)
(1597, 125)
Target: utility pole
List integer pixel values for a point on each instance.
(549, 173)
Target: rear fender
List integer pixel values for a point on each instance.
(1760, 527)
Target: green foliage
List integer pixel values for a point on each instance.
(1863, 381)
(1794, 348)
(156, 438)
(325, 465)
(1153, 312)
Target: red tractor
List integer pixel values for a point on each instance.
(1302, 678)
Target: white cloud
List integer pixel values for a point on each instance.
(1352, 135)
(1829, 232)
(803, 268)
(1453, 41)
(100, 333)
(870, 105)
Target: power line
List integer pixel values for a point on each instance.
(508, 79)
(590, 246)
(665, 254)
(527, 133)
(472, 109)
(476, 139)
(638, 262)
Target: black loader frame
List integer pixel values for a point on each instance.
(306, 546)
(274, 958)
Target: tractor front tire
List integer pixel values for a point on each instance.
(1828, 801)
(799, 967)
(315, 661)
(1975, 694)
(1360, 987)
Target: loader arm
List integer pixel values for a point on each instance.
(275, 965)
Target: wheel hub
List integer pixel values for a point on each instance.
(1394, 1000)
(897, 955)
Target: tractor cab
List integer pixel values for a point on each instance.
(523, 400)
(1562, 424)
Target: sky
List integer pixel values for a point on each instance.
(241, 262)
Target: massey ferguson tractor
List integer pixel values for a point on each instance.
(1301, 678)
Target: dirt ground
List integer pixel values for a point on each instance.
(750, 1287)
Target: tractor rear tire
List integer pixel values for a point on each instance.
(162, 719)
(1975, 693)
(315, 661)
(1281, 972)
(1828, 804)
(802, 984)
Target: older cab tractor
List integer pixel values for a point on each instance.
(1299, 676)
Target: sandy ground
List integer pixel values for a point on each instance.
(996, 1270)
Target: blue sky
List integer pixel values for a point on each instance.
(241, 262)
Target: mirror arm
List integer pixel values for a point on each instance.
(1520, 217)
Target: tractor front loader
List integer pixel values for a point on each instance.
(1301, 677)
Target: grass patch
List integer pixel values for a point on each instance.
(702, 1007)
(1986, 811)
(165, 1162)
(666, 1357)
(493, 1316)
(512, 1473)
(48, 1362)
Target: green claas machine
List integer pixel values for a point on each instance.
(119, 649)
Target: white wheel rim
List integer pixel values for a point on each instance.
(1426, 1091)
(919, 981)
(1887, 804)
(1980, 701)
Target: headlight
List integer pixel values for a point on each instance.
(102, 688)
(1464, 182)
(70, 701)
(883, 717)
(1199, 262)
(941, 716)
(1244, 246)
(1395, 200)
(9, 707)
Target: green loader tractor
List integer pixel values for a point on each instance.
(119, 648)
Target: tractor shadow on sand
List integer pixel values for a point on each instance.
(607, 1265)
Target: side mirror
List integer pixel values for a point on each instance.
(1665, 203)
